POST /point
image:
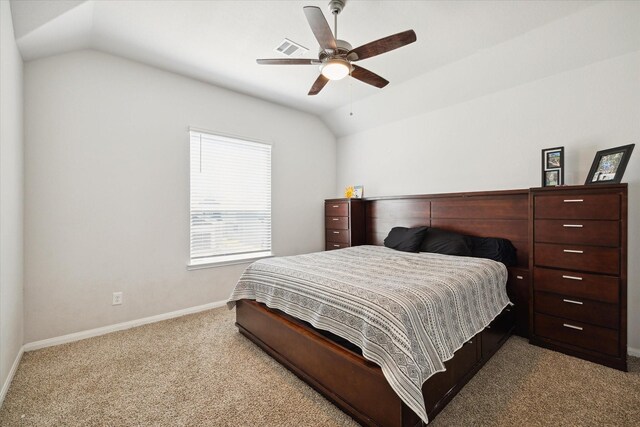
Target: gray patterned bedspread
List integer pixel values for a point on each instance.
(407, 312)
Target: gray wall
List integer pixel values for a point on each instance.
(11, 196)
(107, 179)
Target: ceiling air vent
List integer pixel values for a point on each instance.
(291, 49)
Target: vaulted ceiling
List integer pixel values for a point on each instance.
(218, 41)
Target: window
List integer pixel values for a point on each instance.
(230, 199)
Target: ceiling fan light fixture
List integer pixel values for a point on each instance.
(335, 69)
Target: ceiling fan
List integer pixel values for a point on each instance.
(336, 56)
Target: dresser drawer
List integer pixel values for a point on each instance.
(580, 309)
(577, 333)
(578, 206)
(336, 209)
(579, 285)
(332, 245)
(337, 236)
(579, 232)
(577, 257)
(336, 223)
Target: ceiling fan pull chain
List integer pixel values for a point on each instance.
(350, 95)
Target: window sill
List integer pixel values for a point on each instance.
(221, 261)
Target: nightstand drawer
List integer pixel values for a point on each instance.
(579, 232)
(580, 309)
(336, 223)
(577, 333)
(577, 257)
(580, 285)
(337, 236)
(331, 245)
(518, 291)
(578, 206)
(336, 209)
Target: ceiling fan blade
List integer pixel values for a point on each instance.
(288, 61)
(368, 77)
(320, 27)
(383, 45)
(320, 82)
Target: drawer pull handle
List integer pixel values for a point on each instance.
(571, 277)
(470, 342)
(336, 232)
(573, 251)
(519, 277)
(488, 327)
(566, 325)
(573, 225)
(573, 200)
(570, 301)
(336, 246)
(336, 206)
(335, 219)
(508, 310)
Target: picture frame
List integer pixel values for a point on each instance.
(358, 192)
(553, 167)
(551, 178)
(609, 165)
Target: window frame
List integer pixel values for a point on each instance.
(231, 259)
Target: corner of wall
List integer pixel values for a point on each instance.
(12, 201)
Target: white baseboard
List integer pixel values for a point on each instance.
(12, 372)
(633, 351)
(77, 336)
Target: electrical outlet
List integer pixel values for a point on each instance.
(117, 298)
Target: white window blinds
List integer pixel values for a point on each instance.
(230, 198)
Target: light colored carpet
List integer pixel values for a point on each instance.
(199, 371)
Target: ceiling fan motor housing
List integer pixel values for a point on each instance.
(343, 48)
(336, 6)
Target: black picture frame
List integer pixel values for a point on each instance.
(553, 166)
(551, 178)
(609, 165)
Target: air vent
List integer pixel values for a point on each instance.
(291, 49)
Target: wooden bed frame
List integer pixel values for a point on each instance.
(356, 385)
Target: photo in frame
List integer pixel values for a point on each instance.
(358, 192)
(551, 178)
(553, 167)
(609, 165)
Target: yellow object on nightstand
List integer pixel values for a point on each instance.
(348, 192)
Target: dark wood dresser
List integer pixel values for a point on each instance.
(578, 257)
(344, 223)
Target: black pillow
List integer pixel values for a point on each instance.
(495, 248)
(445, 242)
(405, 239)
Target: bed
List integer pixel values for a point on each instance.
(316, 335)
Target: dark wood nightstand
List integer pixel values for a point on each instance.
(344, 223)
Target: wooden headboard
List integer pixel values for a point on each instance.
(486, 214)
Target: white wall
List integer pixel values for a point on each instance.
(494, 142)
(106, 175)
(11, 196)
(603, 30)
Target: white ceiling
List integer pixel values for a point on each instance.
(218, 41)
